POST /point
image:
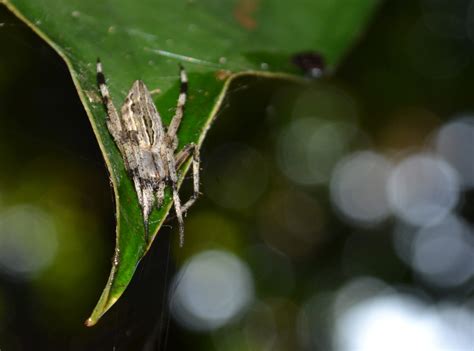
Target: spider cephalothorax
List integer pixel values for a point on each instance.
(149, 148)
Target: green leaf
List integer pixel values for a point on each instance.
(216, 41)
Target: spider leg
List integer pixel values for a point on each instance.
(181, 157)
(144, 191)
(113, 120)
(176, 200)
(160, 193)
(179, 214)
(178, 116)
(125, 139)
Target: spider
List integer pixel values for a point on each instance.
(149, 148)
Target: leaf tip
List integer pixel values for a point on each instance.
(90, 322)
(104, 304)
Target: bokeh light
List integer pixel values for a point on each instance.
(455, 143)
(308, 149)
(260, 327)
(315, 322)
(358, 187)
(28, 241)
(400, 322)
(443, 254)
(423, 189)
(211, 289)
(458, 324)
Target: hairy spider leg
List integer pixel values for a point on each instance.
(180, 158)
(119, 134)
(178, 116)
(173, 143)
(160, 194)
(173, 177)
(183, 155)
(113, 119)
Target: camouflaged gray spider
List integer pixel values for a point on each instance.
(149, 148)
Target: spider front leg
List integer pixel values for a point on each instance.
(123, 139)
(113, 120)
(180, 158)
(178, 116)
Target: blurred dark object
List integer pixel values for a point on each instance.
(310, 62)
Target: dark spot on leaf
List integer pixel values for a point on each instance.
(310, 62)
